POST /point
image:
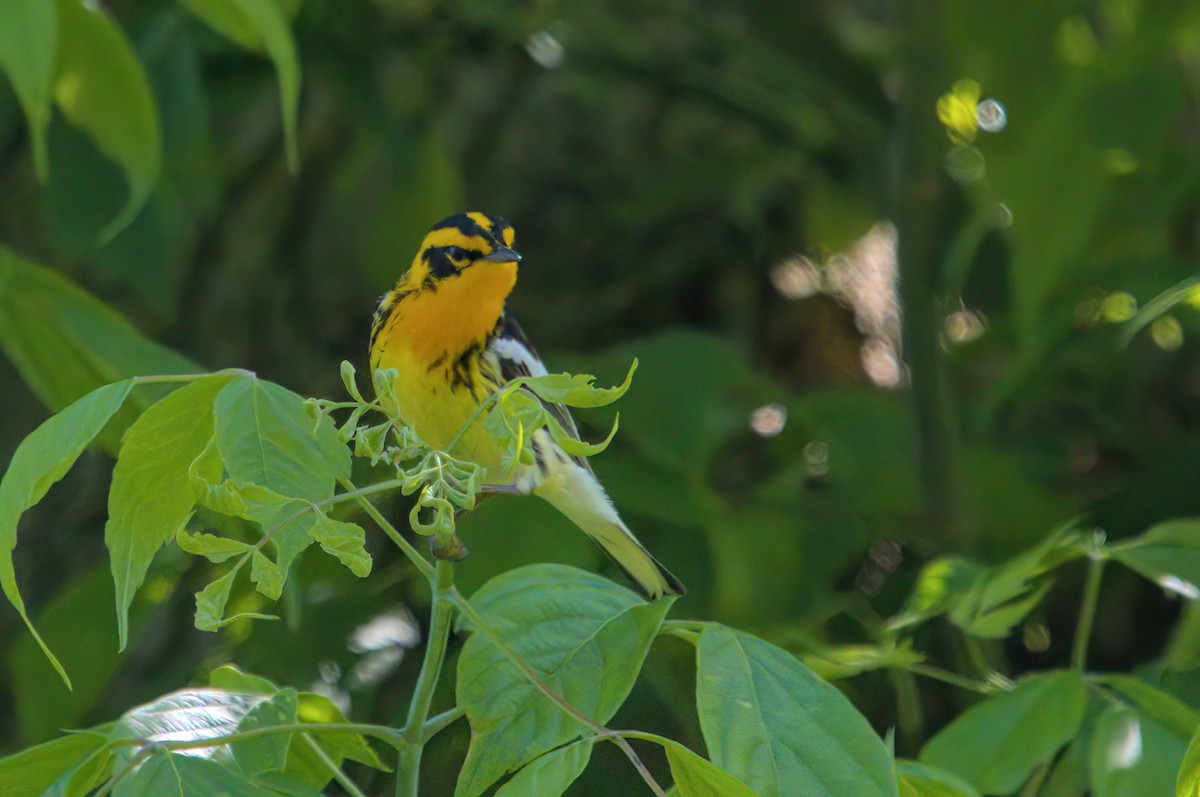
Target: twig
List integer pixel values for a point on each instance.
(413, 555)
(341, 777)
(1087, 613)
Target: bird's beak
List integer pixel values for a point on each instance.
(502, 255)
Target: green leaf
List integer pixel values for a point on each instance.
(266, 753)
(574, 446)
(337, 744)
(1002, 596)
(215, 549)
(578, 390)
(42, 459)
(1009, 734)
(231, 679)
(770, 721)
(151, 498)
(1186, 785)
(64, 342)
(940, 584)
(31, 772)
(695, 776)
(267, 438)
(28, 39)
(185, 776)
(1130, 754)
(550, 775)
(346, 541)
(920, 780)
(102, 89)
(1172, 712)
(584, 636)
(262, 26)
(80, 780)
(266, 576)
(210, 602)
(1168, 554)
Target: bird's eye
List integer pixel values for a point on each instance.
(455, 253)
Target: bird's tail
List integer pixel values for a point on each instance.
(575, 492)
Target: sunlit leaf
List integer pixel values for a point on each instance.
(584, 636)
(102, 88)
(1168, 554)
(186, 715)
(1010, 733)
(215, 549)
(1131, 754)
(151, 496)
(28, 39)
(343, 540)
(42, 459)
(770, 721)
(578, 390)
(266, 576)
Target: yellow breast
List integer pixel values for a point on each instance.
(433, 337)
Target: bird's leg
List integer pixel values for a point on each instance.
(502, 489)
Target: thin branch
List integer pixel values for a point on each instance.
(1087, 613)
(341, 777)
(435, 725)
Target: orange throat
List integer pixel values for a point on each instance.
(437, 324)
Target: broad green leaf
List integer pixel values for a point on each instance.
(65, 343)
(1068, 777)
(1010, 734)
(696, 776)
(31, 772)
(771, 722)
(579, 390)
(262, 26)
(101, 88)
(1167, 709)
(346, 541)
(151, 496)
(338, 745)
(28, 39)
(266, 753)
(42, 459)
(189, 714)
(267, 438)
(584, 636)
(550, 775)
(1168, 554)
(231, 679)
(1130, 754)
(81, 779)
(185, 776)
(920, 780)
(215, 549)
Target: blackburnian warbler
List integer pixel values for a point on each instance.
(444, 329)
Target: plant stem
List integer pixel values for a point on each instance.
(408, 769)
(350, 786)
(436, 725)
(917, 197)
(952, 678)
(1087, 613)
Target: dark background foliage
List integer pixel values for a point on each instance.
(705, 185)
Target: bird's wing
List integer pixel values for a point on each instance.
(516, 357)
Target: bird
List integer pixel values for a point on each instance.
(444, 328)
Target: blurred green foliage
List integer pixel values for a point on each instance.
(662, 163)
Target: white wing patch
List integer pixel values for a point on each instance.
(515, 351)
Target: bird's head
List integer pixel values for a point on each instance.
(461, 242)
